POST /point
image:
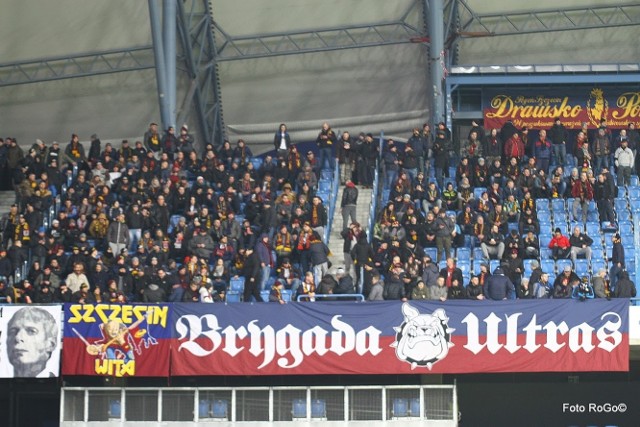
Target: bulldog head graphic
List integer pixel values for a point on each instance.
(422, 339)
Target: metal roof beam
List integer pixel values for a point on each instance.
(318, 40)
(545, 20)
(77, 65)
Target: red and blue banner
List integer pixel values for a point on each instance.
(397, 338)
(121, 340)
(537, 108)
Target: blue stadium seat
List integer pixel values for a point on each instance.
(545, 253)
(414, 407)
(286, 295)
(326, 174)
(265, 295)
(593, 216)
(464, 266)
(582, 267)
(542, 205)
(318, 409)
(237, 284)
(204, 408)
(548, 266)
(597, 264)
(324, 186)
(635, 205)
(622, 193)
(233, 296)
(597, 252)
(593, 229)
(527, 267)
(399, 408)
(476, 266)
(623, 215)
(620, 204)
(630, 264)
(544, 217)
(544, 239)
(463, 254)
(557, 205)
(477, 192)
(626, 228)
(634, 180)
(477, 254)
(324, 196)
(561, 264)
(115, 410)
(220, 409)
(432, 252)
(592, 206)
(299, 409)
(634, 193)
(257, 162)
(493, 264)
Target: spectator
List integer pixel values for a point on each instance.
(493, 244)
(582, 191)
(559, 245)
(625, 288)
(474, 289)
(439, 292)
(377, 288)
(499, 287)
(598, 282)
(625, 162)
(580, 245)
(349, 203)
(564, 283)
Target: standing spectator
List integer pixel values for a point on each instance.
(559, 245)
(514, 148)
(419, 146)
(264, 252)
(152, 138)
(580, 245)
(543, 151)
(367, 163)
(582, 192)
(252, 273)
(499, 287)
(318, 253)
(440, 155)
(604, 199)
(347, 156)
(617, 260)
(625, 161)
(601, 149)
(599, 284)
(282, 141)
(325, 142)
(391, 164)
(349, 203)
(445, 232)
(558, 135)
(451, 273)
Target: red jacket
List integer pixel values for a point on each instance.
(562, 242)
(585, 193)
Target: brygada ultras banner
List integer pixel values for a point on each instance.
(396, 338)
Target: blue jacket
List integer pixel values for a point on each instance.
(499, 286)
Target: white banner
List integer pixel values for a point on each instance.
(30, 341)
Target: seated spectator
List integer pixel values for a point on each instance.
(563, 286)
(474, 289)
(583, 290)
(542, 288)
(493, 246)
(580, 245)
(438, 292)
(559, 245)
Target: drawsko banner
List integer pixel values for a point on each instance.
(121, 340)
(537, 108)
(30, 341)
(395, 337)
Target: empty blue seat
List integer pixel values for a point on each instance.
(544, 217)
(204, 408)
(548, 266)
(593, 229)
(622, 193)
(593, 216)
(115, 409)
(463, 254)
(233, 296)
(542, 205)
(220, 409)
(545, 239)
(477, 254)
(626, 228)
(257, 162)
(545, 253)
(324, 185)
(299, 408)
(562, 263)
(414, 407)
(634, 180)
(265, 295)
(318, 409)
(634, 193)
(598, 264)
(464, 266)
(432, 252)
(635, 205)
(399, 408)
(623, 214)
(493, 264)
(582, 267)
(527, 266)
(237, 284)
(286, 295)
(597, 252)
(557, 205)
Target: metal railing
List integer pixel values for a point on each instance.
(412, 403)
(348, 297)
(333, 201)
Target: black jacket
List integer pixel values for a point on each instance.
(625, 288)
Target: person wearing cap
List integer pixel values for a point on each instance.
(345, 282)
(583, 290)
(559, 245)
(564, 283)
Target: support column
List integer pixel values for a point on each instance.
(435, 18)
(158, 53)
(170, 23)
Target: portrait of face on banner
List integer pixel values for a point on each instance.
(30, 338)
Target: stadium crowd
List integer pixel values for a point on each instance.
(163, 220)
